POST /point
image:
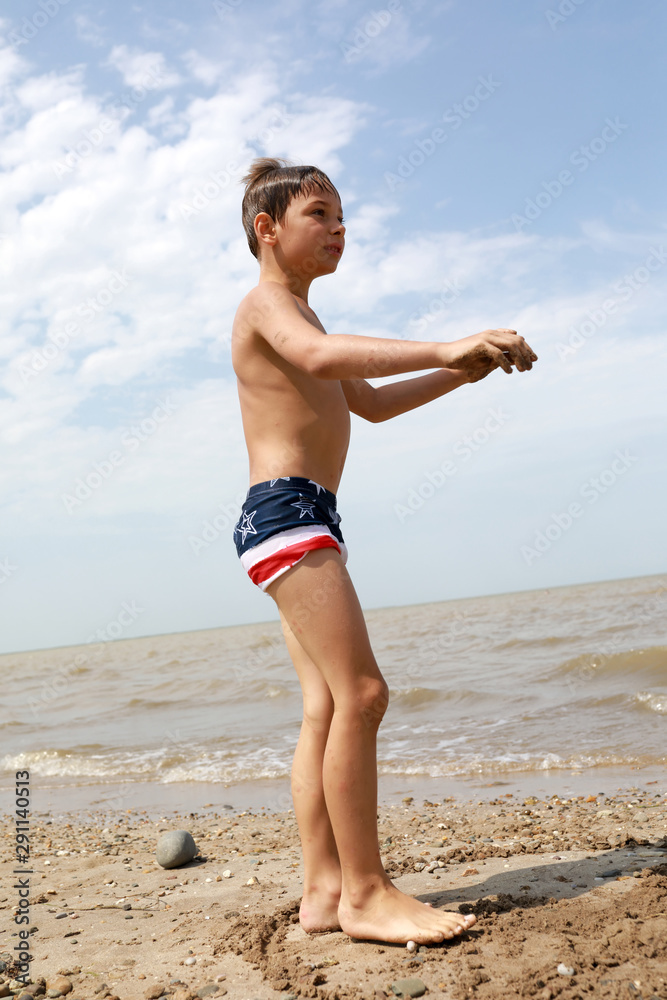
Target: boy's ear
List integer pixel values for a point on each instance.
(265, 228)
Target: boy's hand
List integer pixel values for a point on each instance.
(480, 354)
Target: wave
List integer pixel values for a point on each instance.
(477, 765)
(228, 767)
(652, 701)
(161, 766)
(650, 662)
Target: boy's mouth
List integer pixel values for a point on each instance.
(335, 248)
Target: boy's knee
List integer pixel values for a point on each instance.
(374, 699)
(318, 713)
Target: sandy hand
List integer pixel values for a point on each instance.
(482, 353)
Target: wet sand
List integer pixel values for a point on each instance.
(579, 882)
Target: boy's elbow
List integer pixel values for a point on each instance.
(320, 365)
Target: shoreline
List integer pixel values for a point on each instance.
(48, 795)
(578, 881)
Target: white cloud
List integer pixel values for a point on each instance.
(88, 31)
(11, 64)
(203, 69)
(111, 284)
(142, 69)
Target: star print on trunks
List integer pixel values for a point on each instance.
(280, 524)
(246, 527)
(305, 506)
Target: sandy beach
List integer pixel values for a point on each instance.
(579, 884)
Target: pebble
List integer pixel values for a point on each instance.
(61, 983)
(227, 873)
(190, 961)
(153, 992)
(411, 946)
(207, 990)
(408, 988)
(564, 970)
(419, 866)
(175, 848)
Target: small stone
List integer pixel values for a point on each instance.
(141, 976)
(409, 988)
(218, 878)
(252, 881)
(207, 990)
(411, 946)
(419, 866)
(227, 873)
(564, 970)
(471, 871)
(153, 992)
(175, 848)
(190, 961)
(60, 983)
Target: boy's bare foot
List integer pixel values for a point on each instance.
(387, 914)
(319, 909)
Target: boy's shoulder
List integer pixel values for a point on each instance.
(267, 293)
(269, 303)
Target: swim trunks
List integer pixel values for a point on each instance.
(281, 521)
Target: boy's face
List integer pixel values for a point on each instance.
(312, 234)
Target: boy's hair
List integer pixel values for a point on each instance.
(271, 185)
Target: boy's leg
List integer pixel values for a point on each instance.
(321, 867)
(320, 605)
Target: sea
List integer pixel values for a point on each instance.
(556, 691)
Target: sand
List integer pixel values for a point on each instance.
(580, 883)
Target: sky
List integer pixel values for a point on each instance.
(500, 165)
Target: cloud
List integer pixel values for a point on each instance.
(135, 66)
(117, 293)
(89, 31)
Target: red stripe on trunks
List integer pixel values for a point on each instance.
(288, 557)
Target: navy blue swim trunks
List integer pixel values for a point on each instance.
(281, 521)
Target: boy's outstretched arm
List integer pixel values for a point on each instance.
(343, 356)
(386, 401)
(378, 403)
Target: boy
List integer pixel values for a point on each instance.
(297, 387)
